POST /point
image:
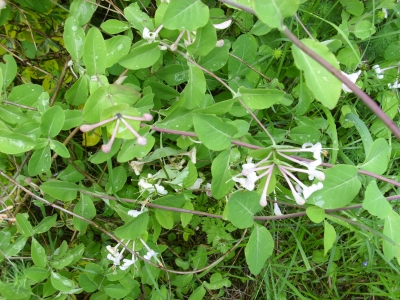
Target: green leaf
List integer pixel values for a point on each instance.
(341, 185)
(355, 7)
(15, 290)
(272, 12)
(134, 228)
(24, 225)
(82, 10)
(78, 93)
(362, 129)
(52, 121)
(217, 58)
(191, 177)
(116, 291)
(142, 56)
(59, 148)
(130, 149)
(186, 15)
(242, 206)
(315, 213)
(138, 19)
(15, 143)
(179, 119)
(218, 108)
(119, 180)
(258, 249)
(165, 218)
(195, 89)
(217, 282)
(101, 156)
(9, 70)
(26, 94)
(374, 201)
(377, 158)
(198, 294)
(113, 26)
(222, 182)
(61, 283)
(392, 52)
(15, 247)
(244, 50)
(74, 38)
(37, 274)
(38, 253)
(174, 74)
(304, 134)
(45, 224)
(325, 87)
(94, 53)
(185, 217)
(102, 97)
(86, 209)
(212, 132)
(329, 236)
(391, 229)
(40, 161)
(61, 190)
(206, 39)
(117, 47)
(260, 98)
(364, 29)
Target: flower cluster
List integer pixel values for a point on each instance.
(265, 167)
(146, 184)
(116, 256)
(190, 36)
(119, 118)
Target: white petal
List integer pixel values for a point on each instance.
(353, 78)
(161, 190)
(196, 184)
(277, 210)
(299, 199)
(223, 25)
(134, 213)
(219, 43)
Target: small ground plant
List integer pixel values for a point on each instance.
(199, 149)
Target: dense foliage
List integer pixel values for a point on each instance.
(197, 150)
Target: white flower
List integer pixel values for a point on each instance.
(313, 188)
(247, 183)
(223, 25)
(114, 255)
(385, 12)
(395, 85)
(150, 253)
(220, 43)
(151, 188)
(277, 210)
(299, 200)
(196, 184)
(128, 262)
(148, 35)
(134, 213)
(192, 154)
(136, 166)
(378, 71)
(353, 78)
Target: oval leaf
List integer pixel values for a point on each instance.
(241, 208)
(341, 185)
(258, 249)
(212, 132)
(15, 143)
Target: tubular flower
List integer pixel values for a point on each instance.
(353, 78)
(119, 118)
(152, 187)
(265, 167)
(378, 71)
